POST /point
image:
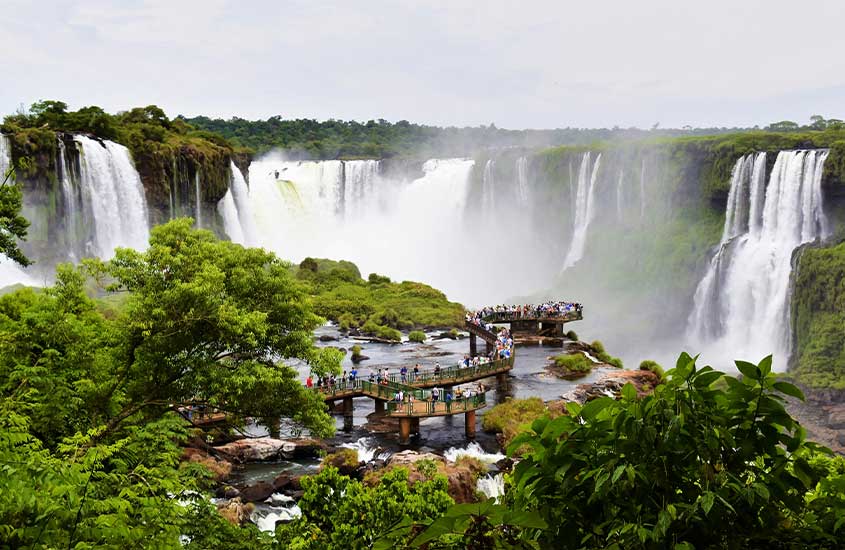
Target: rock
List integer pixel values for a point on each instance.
(462, 478)
(328, 338)
(235, 511)
(259, 492)
(836, 418)
(840, 438)
(505, 465)
(358, 358)
(281, 482)
(354, 332)
(268, 448)
(345, 460)
(220, 469)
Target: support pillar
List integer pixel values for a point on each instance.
(348, 419)
(379, 404)
(415, 425)
(469, 421)
(473, 345)
(404, 430)
(489, 347)
(502, 381)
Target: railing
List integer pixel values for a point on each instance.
(479, 330)
(429, 407)
(502, 316)
(451, 373)
(395, 382)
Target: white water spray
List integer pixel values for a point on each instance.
(522, 179)
(619, 190)
(236, 210)
(491, 486)
(741, 303)
(584, 208)
(112, 188)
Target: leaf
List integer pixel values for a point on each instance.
(707, 500)
(749, 370)
(765, 365)
(629, 392)
(705, 379)
(789, 389)
(594, 407)
(617, 473)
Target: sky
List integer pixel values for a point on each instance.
(526, 64)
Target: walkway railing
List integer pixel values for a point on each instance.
(447, 375)
(506, 316)
(441, 406)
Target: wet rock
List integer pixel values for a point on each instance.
(836, 418)
(505, 465)
(358, 358)
(462, 476)
(235, 511)
(268, 448)
(281, 482)
(328, 338)
(227, 492)
(611, 384)
(259, 492)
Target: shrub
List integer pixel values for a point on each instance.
(342, 459)
(370, 327)
(454, 334)
(346, 322)
(572, 335)
(654, 367)
(356, 351)
(388, 333)
(513, 417)
(598, 347)
(417, 336)
(616, 362)
(376, 279)
(575, 362)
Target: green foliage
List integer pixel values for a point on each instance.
(364, 514)
(89, 443)
(342, 296)
(818, 317)
(13, 226)
(513, 416)
(572, 335)
(693, 464)
(574, 362)
(356, 351)
(654, 367)
(603, 356)
(416, 336)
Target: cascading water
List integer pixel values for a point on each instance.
(522, 179)
(111, 187)
(236, 210)
(5, 157)
(197, 195)
(420, 229)
(584, 208)
(491, 486)
(741, 303)
(488, 188)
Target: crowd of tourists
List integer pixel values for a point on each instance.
(524, 311)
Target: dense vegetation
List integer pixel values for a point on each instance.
(89, 436)
(376, 306)
(331, 139)
(818, 318)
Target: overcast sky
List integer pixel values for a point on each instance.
(516, 64)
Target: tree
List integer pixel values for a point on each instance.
(206, 322)
(13, 226)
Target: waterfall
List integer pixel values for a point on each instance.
(741, 303)
(359, 184)
(491, 486)
(73, 212)
(488, 188)
(236, 210)
(473, 450)
(584, 208)
(111, 190)
(619, 189)
(198, 208)
(5, 157)
(522, 179)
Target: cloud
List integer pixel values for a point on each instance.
(536, 64)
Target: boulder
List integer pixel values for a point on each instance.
(269, 448)
(235, 511)
(259, 492)
(461, 477)
(328, 338)
(220, 469)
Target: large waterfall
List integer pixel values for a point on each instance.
(584, 208)
(741, 303)
(236, 210)
(111, 191)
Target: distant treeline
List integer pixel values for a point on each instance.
(308, 138)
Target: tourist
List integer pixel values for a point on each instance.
(448, 401)
(403, 374)
(435, 393)
(437, 369)
(309, 382)
(416, 371)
